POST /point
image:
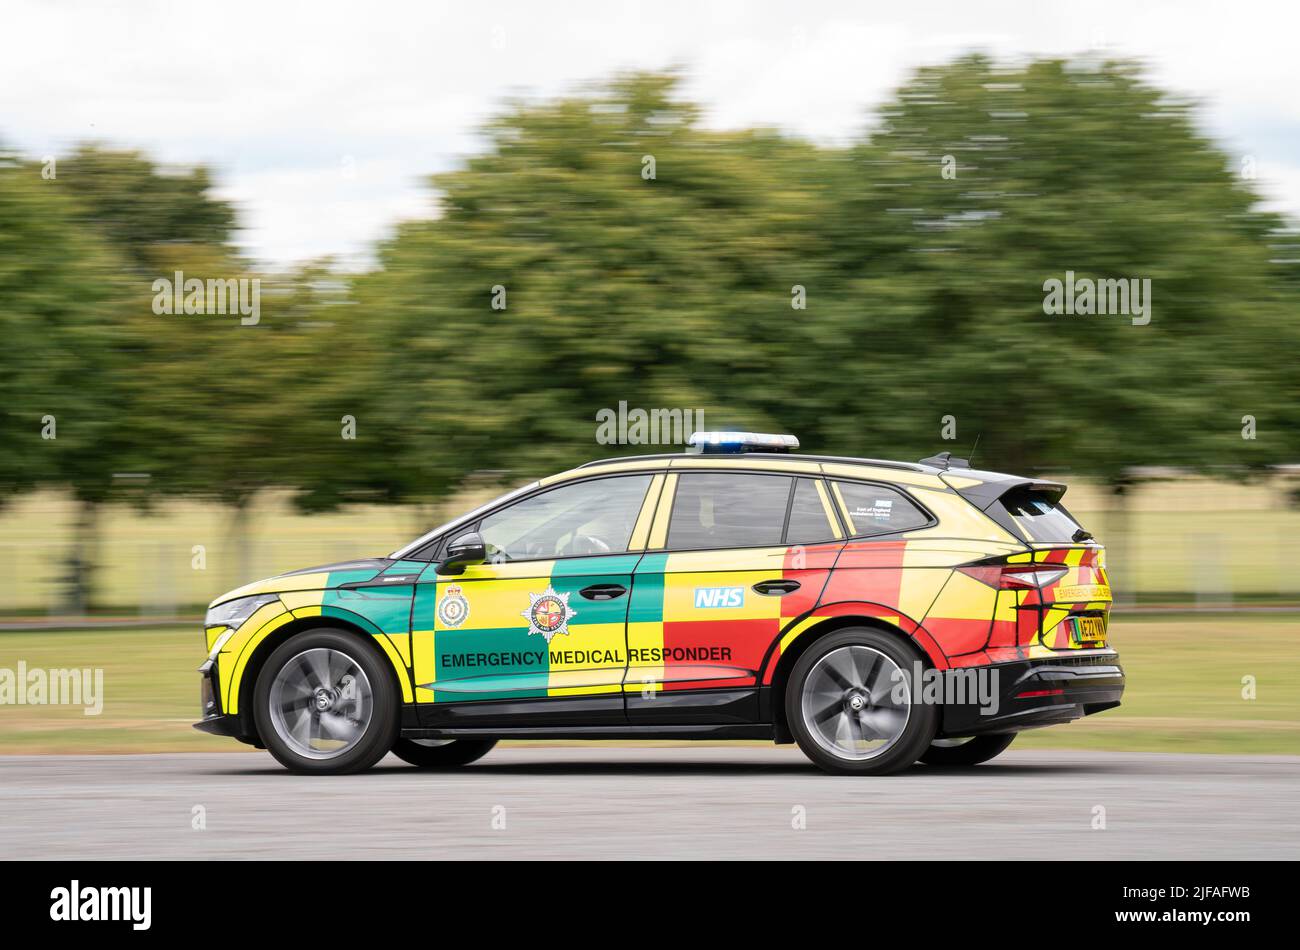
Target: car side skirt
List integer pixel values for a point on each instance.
(726, 731)
(691, 708)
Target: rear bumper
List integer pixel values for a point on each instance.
(1043, 692)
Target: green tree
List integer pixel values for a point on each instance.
(111, 358)
(61, 371)
(639, 258)
(982, 183)
(221, 413)
(1058, 167)
(143, 209)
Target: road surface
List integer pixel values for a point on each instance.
(651, 802)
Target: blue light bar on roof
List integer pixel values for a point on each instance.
(737, 443)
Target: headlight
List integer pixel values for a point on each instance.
(232, 615)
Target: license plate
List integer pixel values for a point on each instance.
(1089, 629)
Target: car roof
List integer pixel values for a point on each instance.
(908, 473)
(969, 482)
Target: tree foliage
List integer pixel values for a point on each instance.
(608, 247)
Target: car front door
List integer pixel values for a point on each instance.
(540, 627)
(733, 557)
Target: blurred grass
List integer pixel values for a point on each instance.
(1184, 690)
(150, 692)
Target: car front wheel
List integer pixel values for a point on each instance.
(325, 704)
(850, 704)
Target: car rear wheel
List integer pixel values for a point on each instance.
(850, 704)
(325, 703)
(968, 751)
(442, 753)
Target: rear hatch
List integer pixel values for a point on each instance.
(1063, 601)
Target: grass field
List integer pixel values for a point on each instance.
(1184, 690)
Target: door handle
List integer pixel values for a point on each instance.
(603, 591)
(776, 588)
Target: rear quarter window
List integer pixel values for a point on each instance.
(875, 509)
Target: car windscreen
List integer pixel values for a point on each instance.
(1039, 515)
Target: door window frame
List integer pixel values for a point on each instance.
(432, 551)
(658, 540)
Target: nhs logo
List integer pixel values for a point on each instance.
(719, 597)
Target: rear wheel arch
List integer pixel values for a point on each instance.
(800, 645)
(262, 652)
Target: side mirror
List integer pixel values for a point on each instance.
(462, 551)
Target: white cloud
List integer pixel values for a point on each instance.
(275, 95)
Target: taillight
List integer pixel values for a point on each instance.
(1016, 576)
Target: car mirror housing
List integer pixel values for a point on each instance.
(464, 550)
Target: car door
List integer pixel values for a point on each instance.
(540, 628)
(728, 566)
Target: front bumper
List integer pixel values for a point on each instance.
(1043, 692)
(215, 721)
(221, 726)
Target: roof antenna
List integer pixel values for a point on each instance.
(970, 459)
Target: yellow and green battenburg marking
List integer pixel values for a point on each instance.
(382, 611)
(495, 653)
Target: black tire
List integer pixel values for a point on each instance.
(370, 739)
(900, 752)
(971, 752)
(455, 753)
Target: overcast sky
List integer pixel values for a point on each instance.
(323, 119)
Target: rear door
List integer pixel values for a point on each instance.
(723, 574)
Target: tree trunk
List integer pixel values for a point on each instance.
(79, 585)
(239, 542)
(1119, 543)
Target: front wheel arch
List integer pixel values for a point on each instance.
(261, 653)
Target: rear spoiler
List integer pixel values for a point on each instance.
(993, 485)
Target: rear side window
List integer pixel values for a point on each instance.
(728, 511)
(874, 509)
(1039, 515)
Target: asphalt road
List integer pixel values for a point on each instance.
(651, 802)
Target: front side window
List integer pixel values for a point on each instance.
(722, 510)
(591, 517)
(874, 509)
